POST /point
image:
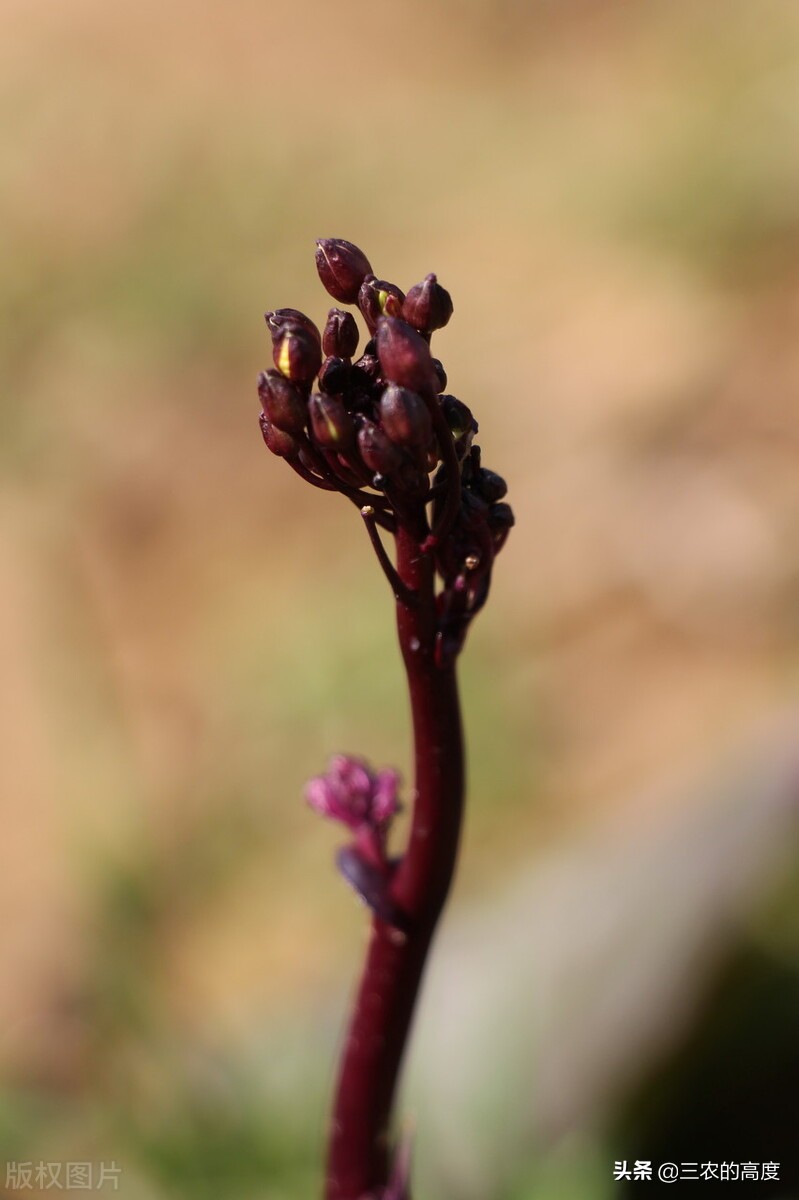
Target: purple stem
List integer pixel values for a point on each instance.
(401, 592)
(359, 1151)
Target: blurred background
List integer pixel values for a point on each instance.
(611, 194)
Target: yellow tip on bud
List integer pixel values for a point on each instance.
(284, 358)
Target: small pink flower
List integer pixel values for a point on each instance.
(351, 792)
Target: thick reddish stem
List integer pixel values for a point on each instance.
(358, 1160)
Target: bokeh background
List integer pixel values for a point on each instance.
(611, 193)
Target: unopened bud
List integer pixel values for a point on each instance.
(342, 268)
(279, 318)
(427, 306)
(331, 424)
(366, 869)
(458, 417)
(405, 417)
(340, 337)
(500, 521)
(492, 487)
(297, 354)
(377, 450)
(365, 371)
(282, 403)
(377, 299)
(283, 444)
(441, 375)
(500, 516)
(334, 376)
(405, 356)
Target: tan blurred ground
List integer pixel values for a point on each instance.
(610, 191)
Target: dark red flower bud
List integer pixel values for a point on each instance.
(340, 338)
(277, 440)
(378, 299)
(282, 403)
(405, 417)
(500, 521)
(405, 356)
(279, 318)
(492, 487)
(441, 375)
(365, 371)
(331, 424)
(377, 450)
(342, 268)
(371, 881)
(334, 376)
(458, 416)
(427, 306)
(500, 516)
(297, 354)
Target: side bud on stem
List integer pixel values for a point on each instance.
(366, 802)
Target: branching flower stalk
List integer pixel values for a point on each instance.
(382, 430)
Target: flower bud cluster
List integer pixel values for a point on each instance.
(366, 802)
(360, 798)
(380, 428)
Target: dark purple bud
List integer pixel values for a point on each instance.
(458, 417)
(427, 306)
(334, 376)
(277, 440)
(405, 356)
(441, 375)
(377, 450)
(500, 521)
(342, 268)
(371, 879)
(297, 354)
(500, 516)
(281, 402)
(279, 318)
(377, 299)
(405, 417)
(492, 487)
(340, 338)
(365, 371)
(331, 424)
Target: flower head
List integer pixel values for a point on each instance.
(351, 792)
(383, 431)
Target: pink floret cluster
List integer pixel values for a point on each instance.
(351, 792)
